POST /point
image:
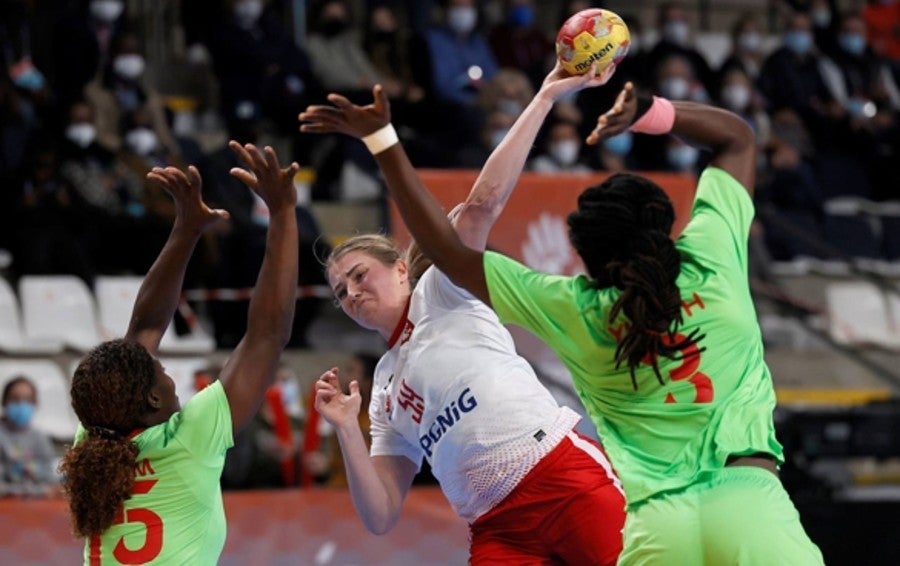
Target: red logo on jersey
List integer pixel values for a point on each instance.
(409, 399)
(408, 327)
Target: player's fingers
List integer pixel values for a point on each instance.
(243, 176)
(340, 101)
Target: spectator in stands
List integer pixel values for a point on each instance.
(614, 154)
(386, 44)
(791, 78)
(96, 176)
(746, 47)
(453, 61)
(122, 89)
(53, 229)
(509, 92)
(561, 151)
(15, 46)
(89, 28)
(673, 25)
(518, 42)
(335, 49)
(240, 245)
(255, 59)
(27, 456)
(738, 93)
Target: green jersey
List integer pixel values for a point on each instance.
(717, 398)
(175, 514)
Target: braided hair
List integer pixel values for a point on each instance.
(621, 231)
(109, 395)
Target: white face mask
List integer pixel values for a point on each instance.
(141, 141)
(509, 106)
(129, 66)
(497, 136)
(750, 41)
(676, 88)
(107, 10)
(736, 97)
(248, 11)
(565, 152)
(81, 134)
(677, 32)
(462, 19)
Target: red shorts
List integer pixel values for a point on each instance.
(569, 509)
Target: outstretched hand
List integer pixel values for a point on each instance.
(618, 118)
(337, 407)
(265, 176)
(347, 118)
(185, 190)
(559, 82)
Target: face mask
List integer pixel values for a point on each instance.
(682, 157)
(141, 141)
(634, 46)
(248, 11)
(521, 16)
(852, 43)
(676, 32)
(129, 66)
(820, 17)
(736, 97)
(106, 10)
(462, 19)
(800, 42)
(19, 413)
(81, 134)
(565, 152)
(509, 106)
(619, 144)
(497, 137)
(331, 28)
(676, 88)
(750, 42)
(290, 392)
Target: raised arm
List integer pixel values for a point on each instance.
(160, 290)
(501, 171)
(378, 484)
(455, 251)
(726, 134)
(250, 369)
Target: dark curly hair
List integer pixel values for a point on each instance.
(109, 395)
(621, 231)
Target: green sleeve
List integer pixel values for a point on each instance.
(203, 426)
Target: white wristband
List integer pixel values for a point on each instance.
(380, 140)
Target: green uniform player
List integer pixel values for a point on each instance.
(143, 477)
(175, 514)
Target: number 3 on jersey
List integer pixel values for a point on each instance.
(690, 364)
(153, 539)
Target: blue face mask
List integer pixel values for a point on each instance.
(619, 144)
(683, 157)
(852, 43)
(521, 16)
(800, 42)
(19, 413)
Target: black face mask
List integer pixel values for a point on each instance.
(387, 37)
(331, 28)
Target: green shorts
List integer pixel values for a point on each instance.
(739, 515)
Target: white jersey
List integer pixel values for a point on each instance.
(451, 388)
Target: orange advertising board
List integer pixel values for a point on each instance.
(533, 227)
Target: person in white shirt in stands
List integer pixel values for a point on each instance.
(452, 389)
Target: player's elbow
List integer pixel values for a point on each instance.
(381, 525)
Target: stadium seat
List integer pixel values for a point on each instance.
(851, 229)
(12, 336)
(59, 307)
(115, 300)
(862, 314)
(54, 413)
(889, 213)
(182, 371)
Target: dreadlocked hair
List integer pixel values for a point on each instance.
(621, 231)
(109, 395)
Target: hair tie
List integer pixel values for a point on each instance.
(105, 433)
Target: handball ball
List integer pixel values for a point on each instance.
(592, 35)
